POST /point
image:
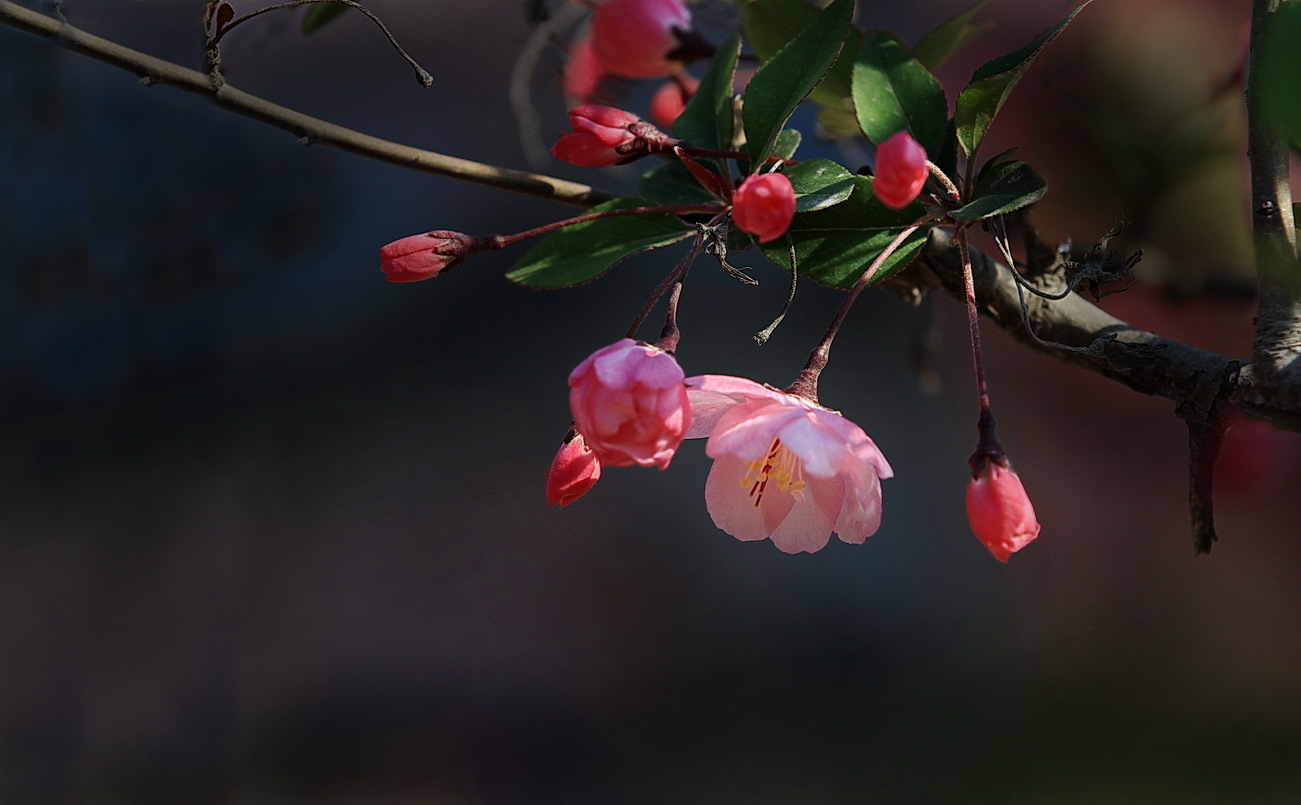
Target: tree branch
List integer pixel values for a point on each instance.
(1277, 346)
(1195, 380)
(309, 129)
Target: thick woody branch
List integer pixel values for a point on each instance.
(1078, 332)
(1277, 347)
(307, 128)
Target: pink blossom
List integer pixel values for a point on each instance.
(629, 403)
(999, 510)
(764, 205)
(583, 73)
(421, 257)
(785, 468)
(574, 470)
(633, 38)
(901, 170)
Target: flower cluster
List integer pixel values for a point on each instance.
(785, 468)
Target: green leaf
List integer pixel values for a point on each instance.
(947, 38)
(583, 252)
(707, 119)
(320, 14)
(893, 91)
(835, 245)
(788, 142)
(993, 82)
(673, 184)
(819, 183)
(783, 81)
(1001, 188)
(1277, 74)
(770, 24)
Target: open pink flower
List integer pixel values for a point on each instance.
(999, 510)
(630, 405)
(574, 470)
(785, 468)
(633, 38)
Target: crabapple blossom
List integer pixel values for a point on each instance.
(605, 136)
(630, 405)
(764, 205)
(574, 470)
(900, 170)
(998, 509)
(633, 38)
(785, 468)
(421, 257)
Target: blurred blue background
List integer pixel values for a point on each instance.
(273, 530)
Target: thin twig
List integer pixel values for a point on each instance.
(308, 128)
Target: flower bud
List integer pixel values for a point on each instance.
(633, 38)
(421, 257)
(998, 509)
(900, 170)
(605, 136)
(574, 470)
(669, 100)
(630, 404)
(764, 205)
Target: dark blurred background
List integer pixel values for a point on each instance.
(273, 530)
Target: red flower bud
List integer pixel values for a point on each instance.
(421, 257)
(574, 470)
(605, 136)
(633, 38)
(900, 170)
(764, 205)
(669, 100)
(998, 509)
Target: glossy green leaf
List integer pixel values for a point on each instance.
(783, 81)
(583, 252)
(835, 245)
(788, 142)
(1001, 188)
(819, 183)
(993, 82)
(947, 38)
(893, 91)
(320, 14)
(707, 119)
(1277, 73)
(673, 184)
(770, 24)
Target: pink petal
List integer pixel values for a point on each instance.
(807, 526)
(729, 503)
(821, 449)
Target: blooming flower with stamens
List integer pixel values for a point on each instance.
(629, 404)
(785, 468)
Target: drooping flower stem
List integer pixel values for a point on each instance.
(987, 446)
(806, 385)
(669, 336)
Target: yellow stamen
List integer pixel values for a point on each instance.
(782, 467)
